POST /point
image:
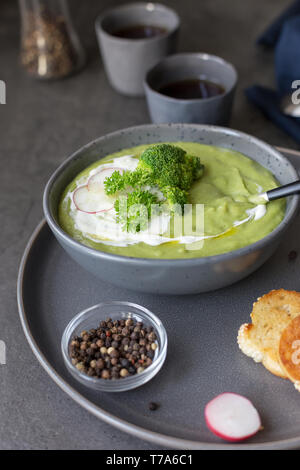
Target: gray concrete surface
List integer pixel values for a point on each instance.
(40, 125)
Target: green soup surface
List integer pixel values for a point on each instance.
(229, 219)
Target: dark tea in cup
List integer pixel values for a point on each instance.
(193, 88)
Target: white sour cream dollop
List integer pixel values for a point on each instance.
(102, 227)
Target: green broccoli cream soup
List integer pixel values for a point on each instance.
(179, 200)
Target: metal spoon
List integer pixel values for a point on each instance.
(282, 191)
(289, 108)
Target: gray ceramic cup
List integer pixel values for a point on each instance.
(126, 61)
(214, 110)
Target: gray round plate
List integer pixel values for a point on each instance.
(203, 357)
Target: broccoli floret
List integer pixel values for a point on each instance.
(164, 161)
(195, 164)
(134, 209)
(165, 166)
(175, 196)
(171, 166)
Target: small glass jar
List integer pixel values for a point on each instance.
(50, 47)
(116, 310)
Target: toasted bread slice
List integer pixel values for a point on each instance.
(270, 316)
(289, 351)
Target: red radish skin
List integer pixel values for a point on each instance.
(93, 182)
(79, 206)
(230, 402)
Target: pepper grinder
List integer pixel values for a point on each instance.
(50, 46)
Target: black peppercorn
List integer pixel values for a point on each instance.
(115, 374)
(293, 255)
(153, 406)
(152, 336)
(116, 349)
(150, 354)
(100, 364)
(124, 362)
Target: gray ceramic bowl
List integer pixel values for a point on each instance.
(176, 276)
(126, 61)
(213, 110)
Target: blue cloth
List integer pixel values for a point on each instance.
(287, 56)
(284, 34)
(272, 33)
(268, 102)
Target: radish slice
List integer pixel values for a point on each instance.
(232, 417)
(96, 182)
(91, 202)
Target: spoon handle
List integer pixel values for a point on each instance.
(283, 191)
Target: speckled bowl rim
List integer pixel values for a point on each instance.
(161, 263)
(169, 32)
(196, 56)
